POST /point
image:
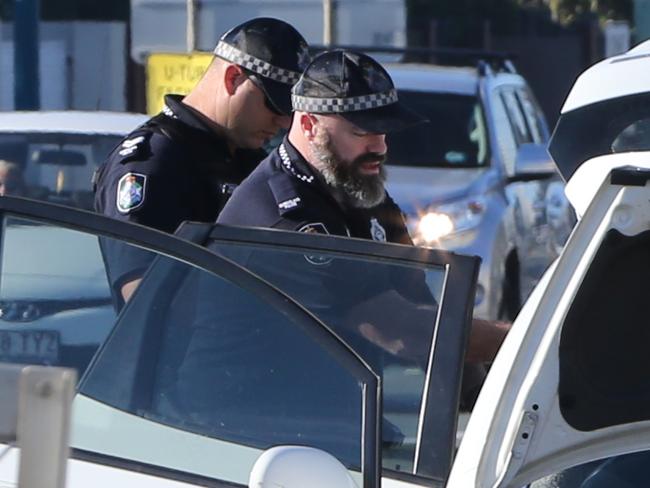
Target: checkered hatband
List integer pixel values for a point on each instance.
(256, 65)
(339, 105)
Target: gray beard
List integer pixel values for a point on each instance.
(354, 188)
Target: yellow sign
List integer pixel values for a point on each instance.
(173, 73)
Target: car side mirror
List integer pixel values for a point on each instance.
(533, 162)
(299, 467)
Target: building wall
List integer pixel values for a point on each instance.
(160, 25)
(82, 65)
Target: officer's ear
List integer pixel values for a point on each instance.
(233, 77)
(308, 125)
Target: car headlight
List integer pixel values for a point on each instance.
(437, 223)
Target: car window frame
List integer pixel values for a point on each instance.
(431, 465)
(200, 257)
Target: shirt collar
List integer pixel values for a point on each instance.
(211, 140)
(176, 109)
(294, 163)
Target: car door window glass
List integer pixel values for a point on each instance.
(388, 311)
(516, 117)
(504, 133)
(195, 352)
(55, 303)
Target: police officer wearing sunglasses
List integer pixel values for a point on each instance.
(184, 163)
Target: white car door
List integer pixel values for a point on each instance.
(208, 365)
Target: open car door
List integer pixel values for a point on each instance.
(215, 359)
(405, 309)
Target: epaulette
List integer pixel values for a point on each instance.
(136, 147)
(285, 193)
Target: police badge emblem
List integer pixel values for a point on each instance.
(377, 232)
(130, 192)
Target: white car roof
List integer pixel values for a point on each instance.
(72, 121)
(618, 76)
(432, 78)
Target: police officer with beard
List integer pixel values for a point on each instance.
(327, 176)
(184, 163)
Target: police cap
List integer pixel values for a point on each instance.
(272, 52)
(356, 87)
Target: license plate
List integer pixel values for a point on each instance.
(29, 346)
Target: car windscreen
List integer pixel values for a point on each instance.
(55, 167)
(455, 135)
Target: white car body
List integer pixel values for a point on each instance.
(517, 433)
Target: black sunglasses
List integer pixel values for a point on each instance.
(267, 101)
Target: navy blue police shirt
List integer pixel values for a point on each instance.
(175, 167)
(285, 192)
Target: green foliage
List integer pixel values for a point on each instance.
(568, 11)
(460, 23)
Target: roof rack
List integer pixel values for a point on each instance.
(486, 61)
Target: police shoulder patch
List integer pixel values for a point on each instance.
(130, 192)
(314, 228)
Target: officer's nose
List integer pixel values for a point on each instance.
(377, 143)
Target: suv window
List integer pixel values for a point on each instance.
(533, 115)
(455, 135)
(516, 117)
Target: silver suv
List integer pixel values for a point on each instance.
(478, 179)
